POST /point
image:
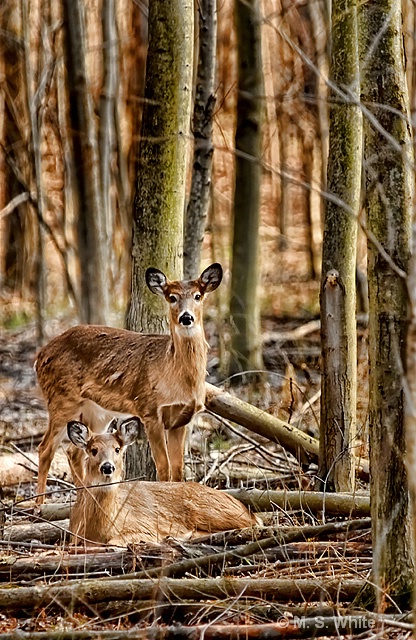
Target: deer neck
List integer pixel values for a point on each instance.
(100, 506)
(189, 351)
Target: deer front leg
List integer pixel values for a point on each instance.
(176, 444)
(156, 436)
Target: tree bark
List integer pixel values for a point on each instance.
(160, 195)
(246, 352)
(92, 241)
(389, 183)
(198, 204)
(339, 343)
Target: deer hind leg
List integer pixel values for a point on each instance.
(50, 442)
(47, 449)
(176, 444)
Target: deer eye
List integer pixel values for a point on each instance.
(94, 451)
(197, 296)
(173, 299)
(117, 449)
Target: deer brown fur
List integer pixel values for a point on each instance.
(142, 511)
(96, 372)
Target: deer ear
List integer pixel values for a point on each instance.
(211, 278)
(78, 433)
(112, 426)
(128, 430)
(156, 281)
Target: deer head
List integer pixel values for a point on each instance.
(104, 459)
(185, 298)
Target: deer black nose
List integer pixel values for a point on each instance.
(186, 319)
(107, 468)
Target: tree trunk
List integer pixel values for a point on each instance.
(339, 345)
(410, 403)
(389, 183)
(160, 196)
(108, 142)
(92, 241)
(197, 210)
(244, 305)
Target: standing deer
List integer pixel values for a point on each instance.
(96, 372)
(108, 512)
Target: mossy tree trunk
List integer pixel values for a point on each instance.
(389, 184)
(339, 348)
(246, 350)
(158, 208)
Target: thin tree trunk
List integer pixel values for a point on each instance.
(339, 346)
(107, 135)
(389, 183)
(199, 198)
(244, 304)
(92, 241)
(33, 109)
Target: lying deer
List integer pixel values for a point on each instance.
(108, 512)
(96, 372)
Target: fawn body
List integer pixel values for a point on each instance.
(96, 372)
(142, 511)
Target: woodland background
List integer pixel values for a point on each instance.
(289, 77)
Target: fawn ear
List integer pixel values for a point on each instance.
(156, 281)
(211, 277)
(128, 430)
(78, 433)
(112, 426)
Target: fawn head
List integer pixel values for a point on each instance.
(185, 297)
(104, 451)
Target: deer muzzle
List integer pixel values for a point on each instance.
(107, 469)
(186, 319)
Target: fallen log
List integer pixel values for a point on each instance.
(105, 562)
(83, 561)
(284, 628)
(46, 532)
(334, 504)
(87, 592)
(305, 448)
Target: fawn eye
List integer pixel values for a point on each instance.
(94, 451)
(173, 299)
(197, 296)
(117, 449)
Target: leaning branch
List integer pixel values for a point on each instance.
(305, 448)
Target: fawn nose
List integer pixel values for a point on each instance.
(107, 468)
(186, 319)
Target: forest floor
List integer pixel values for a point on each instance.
(297, 576)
